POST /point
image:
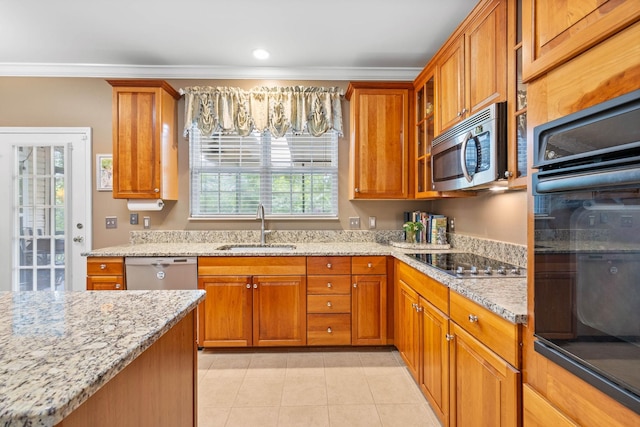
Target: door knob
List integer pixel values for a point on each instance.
(78, 239)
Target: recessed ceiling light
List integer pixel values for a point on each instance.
(260, 54)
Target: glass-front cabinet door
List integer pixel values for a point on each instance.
(424, 137)
(517, 106)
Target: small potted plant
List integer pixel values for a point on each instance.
(410, 229)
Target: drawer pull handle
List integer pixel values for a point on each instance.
(449, 337)
(118, 285)
(103, 266)
(369, 265)
(248, 286)
(329, 284)
(328, 303)
(473, 318)
(329, 330)
(329, 265)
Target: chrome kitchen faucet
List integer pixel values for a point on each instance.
(260, 216)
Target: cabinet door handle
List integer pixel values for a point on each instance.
(329, 284)
(449, 337)
(414, 305)
(355, 285)
(329, 330)
(118, 285)
(329, 265)
(369, 265)
(418, 309)
(156, 190)
(473, 318)
(103, 266)
(248, 285)
(328, 303)
(255, 286)
(357, 190)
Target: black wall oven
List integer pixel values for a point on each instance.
(587, 245)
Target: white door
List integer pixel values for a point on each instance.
(45, 207)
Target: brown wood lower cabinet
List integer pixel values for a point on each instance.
(422, 331)
(265, 309)
(466, 381)
(484, 387)
(369, 300)
(341, 289)
(539, 412)
(105, 274)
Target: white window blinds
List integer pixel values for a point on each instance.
(292, 176)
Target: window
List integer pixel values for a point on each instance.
(295, 176)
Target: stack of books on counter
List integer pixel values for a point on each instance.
(435, 227)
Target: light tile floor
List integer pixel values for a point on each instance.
(309, 389)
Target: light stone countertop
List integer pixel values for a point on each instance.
(58, 348)
(505, 297)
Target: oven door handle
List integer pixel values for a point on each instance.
(594, 180)
(463, 156)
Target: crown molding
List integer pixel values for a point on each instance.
(207, 72)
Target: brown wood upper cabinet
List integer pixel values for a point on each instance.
(556, 34)
(379, 140)
(145, 150)
(471, 68)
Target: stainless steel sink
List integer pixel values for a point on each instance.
(256, 248)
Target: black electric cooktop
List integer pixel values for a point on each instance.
(468, 265)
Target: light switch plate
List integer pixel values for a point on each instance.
(146, 221)
(372, 222)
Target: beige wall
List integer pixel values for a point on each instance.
(496, 216)
(87, 102)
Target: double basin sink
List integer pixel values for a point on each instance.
(256, 248)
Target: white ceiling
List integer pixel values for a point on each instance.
(322, 39)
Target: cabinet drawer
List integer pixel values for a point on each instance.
(328, 329)
(251, 265)
(328, 285)
(329, 265)
(105, 283)
(369, 265)
(109, 266)
(498, 334)
(329, 304)
(432, 290)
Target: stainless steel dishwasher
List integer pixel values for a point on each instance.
(156, 273)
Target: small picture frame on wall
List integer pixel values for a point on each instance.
(104, 172)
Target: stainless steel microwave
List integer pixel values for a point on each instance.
(473, 153)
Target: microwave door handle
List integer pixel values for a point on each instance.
(463, 157)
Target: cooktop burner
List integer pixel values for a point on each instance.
(468, 265)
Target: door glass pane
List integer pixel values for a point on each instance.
(40, 210)
(522, 144)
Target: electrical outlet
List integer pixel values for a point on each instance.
(146, 221)
(133, 219)
(354, 222)
(111, 222)
(452, 225)
(372, 222)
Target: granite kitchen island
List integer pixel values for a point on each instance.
(104, 358)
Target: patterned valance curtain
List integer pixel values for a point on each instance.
(232, 110)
